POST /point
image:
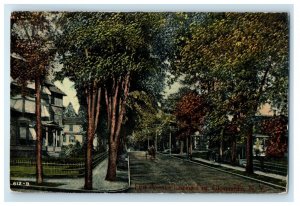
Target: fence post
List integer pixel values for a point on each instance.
(128, 171)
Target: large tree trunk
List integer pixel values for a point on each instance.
(93, 116)
(88, 185)
(249, 150)
(89, 147)
(116, 102)
(112, 162)
(121, 145)
(39, 138)
(249, 145)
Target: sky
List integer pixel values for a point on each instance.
(172, 89)
(67, 86)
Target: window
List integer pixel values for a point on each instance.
(72, 138)
(23, 132)
(64, 138)
(71, 128)
(58, 102)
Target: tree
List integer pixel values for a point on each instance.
(109, 49)
(276, 129)
(31, 56)
(79, 58)
(232, 132)
(190, 114)
(238, 60)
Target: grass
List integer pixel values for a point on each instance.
(48, 171)
(52, 167)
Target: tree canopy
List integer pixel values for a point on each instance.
(31, 55)
(239, 61)
(102, 53)
(241, 57)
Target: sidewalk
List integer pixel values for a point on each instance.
(238, 168)
(77, 184)
(280, 177)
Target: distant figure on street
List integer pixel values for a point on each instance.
(151, 152)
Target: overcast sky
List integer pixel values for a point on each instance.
(67, 87)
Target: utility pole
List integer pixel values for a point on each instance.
(156, 140)
(148, 138)
(156, 134)
(170, 141)
(187, 147)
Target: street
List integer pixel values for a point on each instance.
(167, 174)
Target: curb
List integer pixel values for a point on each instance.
(55, 189)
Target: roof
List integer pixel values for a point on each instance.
(69, 111)
(51, 124)
(47, 81)
(54, 89)
(46, 89)
(57, 110)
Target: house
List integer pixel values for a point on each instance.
(73, 130)
(23, 119)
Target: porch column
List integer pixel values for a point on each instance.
(46, 140)
(55, 138)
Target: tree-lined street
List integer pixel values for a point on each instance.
(207, 85)
(168, 174)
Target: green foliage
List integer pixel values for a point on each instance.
(148, 117)
(31, 45)
(143, 113)
(97, 46)
(239, 61)
(71, 150)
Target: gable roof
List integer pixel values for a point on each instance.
(54, 89)
(70, 111)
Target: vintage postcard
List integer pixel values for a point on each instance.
(149, 102)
